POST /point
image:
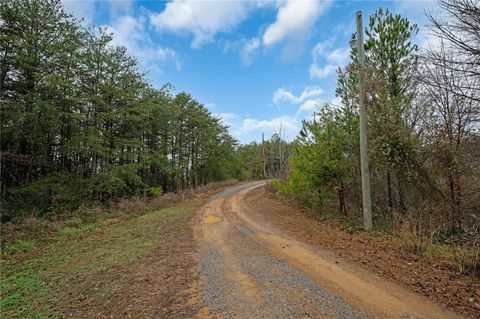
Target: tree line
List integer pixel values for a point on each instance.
(265, 160)
(423, 110)
(81, 123)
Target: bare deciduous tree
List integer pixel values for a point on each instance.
(459, 29)
(453, 118)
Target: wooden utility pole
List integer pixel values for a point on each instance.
(263, 156)
(366, 196)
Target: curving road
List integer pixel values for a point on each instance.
(249, 269)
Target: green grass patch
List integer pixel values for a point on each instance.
(20, 246)
(434, 251)
(34, 278)
(74, 231)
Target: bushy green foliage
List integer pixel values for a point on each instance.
(325, 162)
(81, 123)
(422, 145)
(52, 194)
(155, 191)
(322, 155)
(119, 181)
(279, 186)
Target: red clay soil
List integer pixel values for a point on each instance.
(377, 253)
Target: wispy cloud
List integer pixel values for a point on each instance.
(283, 94)
(130, 32)
(307, 100)
(326, 61)
(310, 105)
(82, 10)
(118, 8)
(249, 50)
(228, 118)
(253, 128)
(292, 25)
(247, 129)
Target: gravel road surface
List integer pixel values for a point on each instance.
(248, 269)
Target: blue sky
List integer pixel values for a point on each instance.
(259, 65)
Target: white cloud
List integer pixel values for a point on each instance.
(228, 118)
(210, 105)
(294, 18)
(247, 129)
(321, 49)
(121, 7)
(308, 100)
(127, 31)
(203, 19)
(332, 59)
(339, 55)
(321, 72)
(336, 102)
(86, 10)
(283, 94)
(81, 9)
(427, 40)
(414, 10)
(130, 32)
(310, 105)
(249, 50)
(288, 125)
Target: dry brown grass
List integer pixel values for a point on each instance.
(144, 203)
(30, 227)
(460, 253)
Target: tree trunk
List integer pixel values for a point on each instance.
(341, 199)
(389, 192)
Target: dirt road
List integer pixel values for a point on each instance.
(249, 269)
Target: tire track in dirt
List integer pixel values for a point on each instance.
(250, 269)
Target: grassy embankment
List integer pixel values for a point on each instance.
(97, 261)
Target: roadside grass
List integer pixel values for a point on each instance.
(40, 274)
(22, 245)
(73, 231)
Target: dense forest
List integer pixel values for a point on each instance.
(80, 122)
(423, 109)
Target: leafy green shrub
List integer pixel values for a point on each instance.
(119, 181)
(280, 187)
(48, 196)
(155, 191)
(275, 183)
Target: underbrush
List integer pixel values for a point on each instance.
(24, 233)
(47, 263)
(456, 248)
